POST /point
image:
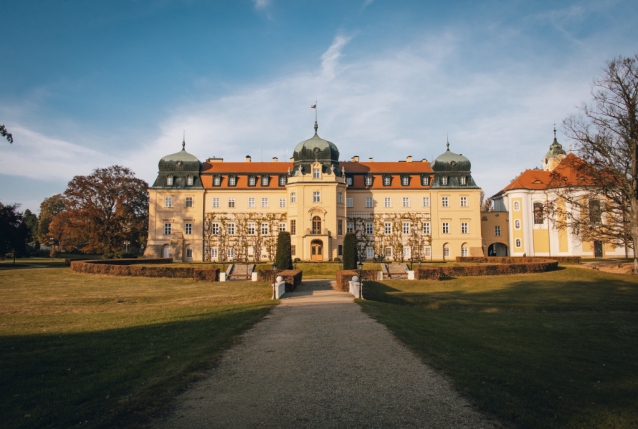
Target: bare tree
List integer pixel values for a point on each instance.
(486, 205)
(6, 134)
(600, 199)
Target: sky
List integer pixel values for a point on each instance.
(89, 84)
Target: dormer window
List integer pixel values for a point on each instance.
(463, 180)
(252, 180)
(282, 180)
(316, 173)
(265, 179)
(169, 180)
(425, 180)
(405, 180)
(349, 180)
(232, 180)
(443, 180)
(368, 180)
(387, 180)
(189, 180)
(217, 180)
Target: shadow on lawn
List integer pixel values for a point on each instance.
(111, 378)
(537, 353)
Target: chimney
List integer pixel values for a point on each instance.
(424, 160)
(248, 158)
(355, 158)
(292, 159)
(213, 159)
(409, 158)
(275, 159)
(370, 160)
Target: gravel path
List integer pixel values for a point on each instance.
(317, 361)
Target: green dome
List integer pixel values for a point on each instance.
(179, 161)
(316, 148)
(555, 149)
(450, 161)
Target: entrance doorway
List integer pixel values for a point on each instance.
(598, 249)
(166, 251)
(316, 250)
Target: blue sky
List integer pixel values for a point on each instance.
(88, 84)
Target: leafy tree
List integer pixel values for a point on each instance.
(31, 221)
(49, 208)
(14, 232)
(604, 206)
(5, 133)
(350, 251)
(283, 257)
(104, 209)
(486, 204)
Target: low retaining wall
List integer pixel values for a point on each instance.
(344, 276)
(534, 266)
(518, 259)
(291, 277)
(130, 267)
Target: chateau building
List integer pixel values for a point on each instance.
(233, 211)
(532, 230)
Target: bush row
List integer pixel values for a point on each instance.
(344, 276)
(436, 273)
(291, 277)
(518, 259)
(131, 268)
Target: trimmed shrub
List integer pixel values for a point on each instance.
(518, 259)
(350, 251)
(535, 266)
(283, 257)
(344, 276)
(132, 267)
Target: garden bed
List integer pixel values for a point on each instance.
(143, 268)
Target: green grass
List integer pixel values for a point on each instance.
(110, 351)
(551, 350)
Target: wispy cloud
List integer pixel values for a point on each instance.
(261, 4)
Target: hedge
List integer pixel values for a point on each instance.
(518, 259)
(291, 277)
(344, 276)
(535, 266)
(131, 267)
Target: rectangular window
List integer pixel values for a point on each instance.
(230, 252)
(464, 251)
(231, 203)
(427, 251)
(406, 202)
(369, 253)
(444, 202)
(387, 202)
(217, 181)
(349, 180)
(169, 180)
(215, 203)
(369, 228)
(293, 250)
(251, 202)
(463, 180)
(406, 227)
(444, 180)
(265, 180)
(387, 180)
(264, 229)
(368, 180)
(426, 228)
(388, 252)
(349, 227)
(405, 180)
(264, 203)
(463, 201)
(213, 252)
(214, 228)
(349, 202)
(426, 201)
(340, 250)
(282, 180)
(339, 227)
(425, 180)
(340, 197)
(232, 180)
(231, 228)
(189, 201)
(464, 228)
(539, 217)
(167, 229)
(251, 229)
(316, 197)
(293, 227)
(369, 202)
(293, 198)
(282, 202)
(252, 181)
(168, 202)
(387, 227)
(406, 252)
(446, 251)
(316, 173)
(188, 228)
(497, 230)
(446, 228)
(282, 227)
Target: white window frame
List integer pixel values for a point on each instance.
(316, 197)
(463, 180)
(518, 243)
(349, 202)
(427, 251)
(265, 180)
(340, 197)
(214, 228)
(232, 180)
(406, 227)
(264, 229)
(497, 230)
(216, 202)
(387, 181)
(264, 203)
(188, 228)
(405, 180)
(463, 250)
(349, 227)
(282, 226)
(316, 173)
(426, 201)
(517, 206)
(169, 180)
(369, 252)
(465, 228)
(251, 202)
(252, 181)
(445, 228)
(463, 201)
(189, 201)
(387, 202)
(168, 228)
(517, 224)
(443, 180)
(231, 203)
(213, 252)
(406, 201)
(368, 181)
(445, 202)
(349, 180)
(251, 228)
(231, 229)
(189, 180)
(230, 252)
(426, 228)
(282, 180)
(387, 227)
(282, 202)
(369, 228)
(446, 251)
(369, 202)
(168, 202)
(293, 198)
(217, 181)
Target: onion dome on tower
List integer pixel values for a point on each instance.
(554, 155)
(316, 149)
(179, 171)
(452, 170)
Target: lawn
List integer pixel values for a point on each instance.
(105, 351)
(550, 350)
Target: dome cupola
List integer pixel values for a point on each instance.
(179, 170)
(452, 170)
(315, 149)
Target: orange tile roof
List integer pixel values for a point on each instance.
(386, 167)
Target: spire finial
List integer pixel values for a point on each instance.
(184, 141)
(314, 106)
(554, 130)
(447, 141)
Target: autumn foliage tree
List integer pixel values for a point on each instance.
(102, 210)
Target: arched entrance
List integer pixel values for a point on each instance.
(316, 225)
(316, 250)
(497, 249)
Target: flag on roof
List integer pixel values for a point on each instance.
(314, 106)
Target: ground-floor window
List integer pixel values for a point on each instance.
(406, 252)
(230, 252)
(213, 252)
(340, 250)
(446, 251)
(369, 253)
(427, 251)
(388, 252)
(293, 250)
(464, 250)
(189, 252)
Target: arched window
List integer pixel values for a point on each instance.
(517, 224)
(316, 225)
(518, 242)
(189, 180)
(464, 249)
(538, 213)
